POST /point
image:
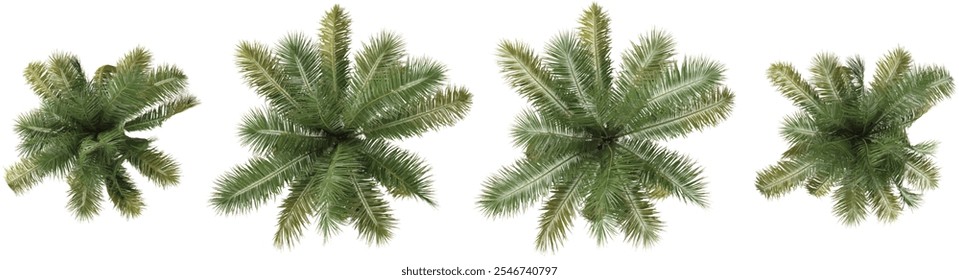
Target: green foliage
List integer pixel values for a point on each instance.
(850, 138)
(589, 138)
(324, 132)
(79, 130)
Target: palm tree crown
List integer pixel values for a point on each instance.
(591, 138)
(325, 131)
(850, 138)
(79, 130)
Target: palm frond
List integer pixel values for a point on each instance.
(704, 110)
(79, 109)
(691, 77)
(154, 117)
(884, 203)
(417, 79)
(829, 76)
(799, 128)
(248, 186)
(662, 171)
(402, 173)
(787, 175)
(525, 72)
(124, 89)
(376, 57)
(372, 218)
(164, 82)
(330, 217)
(262, 72)
(334, 191)
(594, 31)
(518, 186)
(298, 59)
(334, 47)
(52, 161)
(155, 165)
(135, 61)
(542, 135)
(857, 74)
(821, 183)
(925, 148)
(266, 132)
(890, 69)
(884, 149)
(558, 212)
(849, 203)
(791, 84)
(40, 82)
(377, 60)
(569, 61)
(86, 181)
(645, 61)
(639, 219)
(109, 141)
(37, 129)
(101, 78)
(126, 198)
(444, 108)
(605, 198)
(921, 172)
(642, 64)
(603, 227)
(329, 178)
(65, 71)
(909, 197)
(295, 212)
(915, 94)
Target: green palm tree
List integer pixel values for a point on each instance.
(80, 129)
(325, 133)
(850, 138)
(591, 139)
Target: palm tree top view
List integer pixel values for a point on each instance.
(325, 132)
(591, 138)
(850, 138)
(79, 130)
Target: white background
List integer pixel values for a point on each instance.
(741, 236)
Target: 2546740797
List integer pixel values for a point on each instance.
(525, 270)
